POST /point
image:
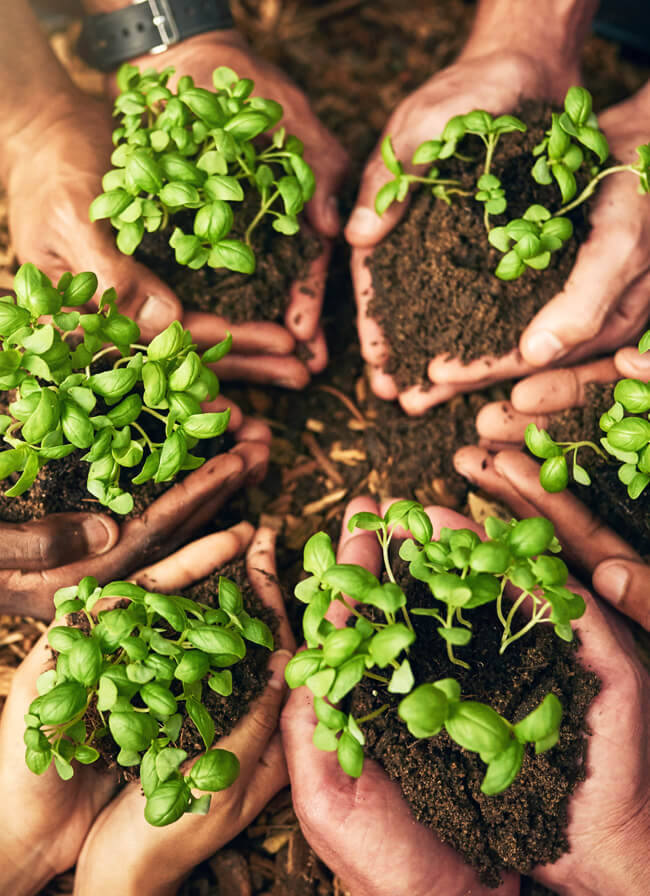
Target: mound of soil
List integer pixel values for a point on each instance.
(606, 496)
(435, 292)
(249, 676)
(263, 295)
(525, 825)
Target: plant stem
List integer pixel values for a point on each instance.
(258, 217)
(372, 715)
(591, 186)
(376, 677)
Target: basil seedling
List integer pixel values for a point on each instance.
(196, 150)
(462, 573)
(573, 142)
(63, 403)
(626, 439)
(137, 668)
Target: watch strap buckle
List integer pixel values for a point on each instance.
(163, 19)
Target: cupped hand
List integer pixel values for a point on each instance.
(153, 861)
(50, 818)
(362, 828)
(198, 57)
(171, 520)
(494, 82)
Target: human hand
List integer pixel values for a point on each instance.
(198, 57)
(51, 817)
(153, 861)
(167, 523)
(363, 828)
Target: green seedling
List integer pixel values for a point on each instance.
(197, 151)
(462, 573)
(64, 403)
(574, 143)
(626, 439)
(137, 668)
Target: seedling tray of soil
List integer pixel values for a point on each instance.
(263, 295)
(525, 825)
(249, 676)
(607, 497)
(435, 292)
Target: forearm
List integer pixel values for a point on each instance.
(546, 29)
(35, 86)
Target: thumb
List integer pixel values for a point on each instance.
(56, 540)
(365, 228)
(141, 295)
(631, 363)
(624, 583)
(329, 162)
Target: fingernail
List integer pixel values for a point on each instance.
(612, 580)
(277, 665)
(157, 311)
(97, 534)
(363, 221)
(542, 347)
(331, 213)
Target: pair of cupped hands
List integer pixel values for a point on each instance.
(361, 828)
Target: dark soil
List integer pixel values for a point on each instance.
(524, 826)
(606, 496)
(263, 295)
(435, 292)
(249, 676)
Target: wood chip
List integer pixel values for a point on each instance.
(291, 474)
(325, 501)
(359, 425)
(275, 842)
(231, 870)
(348, 456)
(315, 425)
(323, 461)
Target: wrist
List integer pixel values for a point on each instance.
(549, 31)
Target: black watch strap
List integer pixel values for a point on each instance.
(147, 26)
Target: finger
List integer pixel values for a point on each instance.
(444, 369)
(58, 538)
(365, 228)
(263, 577)
(250, 338)
(499, 421)
(256, 460)
(585, 538)
(359, 546)
(477, 466)
(419, 399)
(269, 777)
(286, 371)
(607, 265)
(382, 384)
(252, 430)
(557, 390)
(196, 561)
(141, 295)
(306, 298)
(329, 162)
(317, 351)
(631, 363)
(374, 348)
(250, 737)
(624, 583)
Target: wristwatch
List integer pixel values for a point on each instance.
(147, 26)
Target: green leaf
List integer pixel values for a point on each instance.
(302, 666)
(258, 632)
(202, 719)
(109, 204)
(193, 666)
(207, 426)
(213, 221)
(554, 474)
(510, 267)
(247, 124)
(386, 196)
(217, 352)
(348, 578)
(340, 645)
(503, 769)
(132, 731)
(478, 727)
(424, 710)
(304, 174)
(578, 105)
(427, 152)
(159, 699)
(144, 171)
(402, 679)
(113, 384)
(168, 762)
(179, 195)
(388, 643)
(348, 675)
(565, 180)
(350, 755)
(456, 636)
(324, 738)
(216, 770)
(370, 522)
(540, 443)
(217, 641)
(221, 682)
(234, 255)
(531, 536)
(318, 554)
(85, 661)
(167, 803)
(541, 722)
(62, 703)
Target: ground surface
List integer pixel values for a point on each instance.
(356, 60)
